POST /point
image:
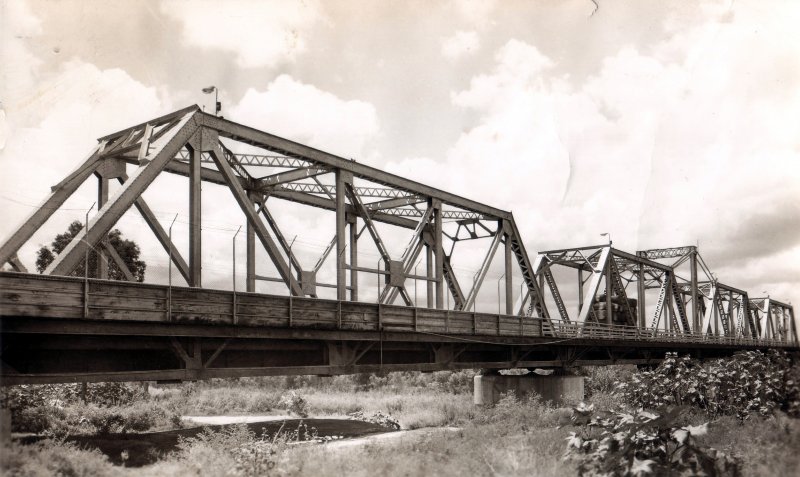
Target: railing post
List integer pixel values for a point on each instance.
(416, 313)
(290, 311)
(339, 314)
(235, 320)
(474, 323)
(86, 298)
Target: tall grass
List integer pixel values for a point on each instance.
(518, 436)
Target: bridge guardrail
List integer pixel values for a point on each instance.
(30, 295)
(617, 332)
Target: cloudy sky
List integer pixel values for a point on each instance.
(661, 123)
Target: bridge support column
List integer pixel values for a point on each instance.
(488, 388)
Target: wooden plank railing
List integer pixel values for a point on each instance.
(37, 296)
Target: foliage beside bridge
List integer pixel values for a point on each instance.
(644, 443)
(750, 382)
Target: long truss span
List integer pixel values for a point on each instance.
(66, 329)
(61, 327)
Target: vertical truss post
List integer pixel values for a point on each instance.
(715, 313)
(641, 296)
(580, 289)
(102, 257)
(509, 272)
(438, 251)
(744, 312)
(765, 328)
(250, 235)
(695, 305)
(353, 258)
(342, 178)
(195, 217)
(731, 322)
(609, 281)
(430, 274)
(669, 324)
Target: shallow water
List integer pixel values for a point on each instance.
(148, 447)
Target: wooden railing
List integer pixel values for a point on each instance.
(37, 296)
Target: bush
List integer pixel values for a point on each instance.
(236, 450)
(643, 443)
(295, 404)
(17, 398)
(35, 419)
(53, 457)
(603, 379)
(749, 382)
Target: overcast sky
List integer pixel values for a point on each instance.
(661, 123)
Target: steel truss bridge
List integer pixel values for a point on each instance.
(621, 307)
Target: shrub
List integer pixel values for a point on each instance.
(749, 382)
(295, 403)
(643, 443)
(35, 419)
(53, 457)
(603, 379)
(236, 450)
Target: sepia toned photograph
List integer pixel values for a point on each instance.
(399, 238)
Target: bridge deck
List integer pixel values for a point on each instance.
(67, 329)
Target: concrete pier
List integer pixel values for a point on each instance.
(487, 388)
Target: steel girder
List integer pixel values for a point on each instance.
(255, 165)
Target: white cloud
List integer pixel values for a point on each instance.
(306, 114)
(462, 43)
(263, 33)
(49, 136)
(690, 140)
(475, 12)
(18, 26)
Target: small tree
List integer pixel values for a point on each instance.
(128, 250)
